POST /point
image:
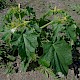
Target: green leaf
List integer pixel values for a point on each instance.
(6, 36)
(21, 50)
(56, 54)
(56, 63)
(64, 55)
(71, 32)
(47, 56)
(30, 42)
(26, 48)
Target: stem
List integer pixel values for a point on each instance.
(19, 11)
(46, 25)
(19, 6)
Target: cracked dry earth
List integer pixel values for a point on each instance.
(42, 6)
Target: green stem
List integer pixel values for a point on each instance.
(46, 25)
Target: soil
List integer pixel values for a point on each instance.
(41, 7)
(32, 75)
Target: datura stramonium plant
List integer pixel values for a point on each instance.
(29, 35)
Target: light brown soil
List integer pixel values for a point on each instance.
(35, 75)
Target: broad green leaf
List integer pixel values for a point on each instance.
(64, 55)
(21, 49)
(30, 42)
(48, 52)
(71, 32)
(27, 45)
(57, 55)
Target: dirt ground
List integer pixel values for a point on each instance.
(25, 76)
(42, 6)
(35, 75)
